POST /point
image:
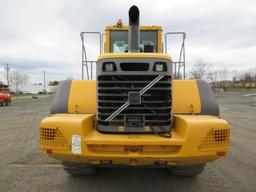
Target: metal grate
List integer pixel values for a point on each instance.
(216, 139)
(155, 107)
(134, 66)
(53, 138)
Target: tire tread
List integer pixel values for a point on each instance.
(79, 169)
(186, 170)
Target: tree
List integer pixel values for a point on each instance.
(223, 76)
(53, 83)
(199, 71)
(18, 79)
(218, 77)
(212, 76)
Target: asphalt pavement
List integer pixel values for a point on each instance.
(24, 168)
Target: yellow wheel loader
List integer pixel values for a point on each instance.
(140, 110)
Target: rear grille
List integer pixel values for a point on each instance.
(215, 139)
(155, 107)
(53, 138)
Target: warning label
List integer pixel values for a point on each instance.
(76, 144)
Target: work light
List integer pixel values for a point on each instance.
(109, 67)
(160, 67)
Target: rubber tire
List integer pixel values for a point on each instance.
(186, 170)
(79, 169)
(6, 103)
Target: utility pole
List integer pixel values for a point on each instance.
(7, 68)
(44, 83)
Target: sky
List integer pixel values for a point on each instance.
(43, 35)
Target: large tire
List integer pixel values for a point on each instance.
(186, 170)
(79, 169)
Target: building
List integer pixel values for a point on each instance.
(4, 87)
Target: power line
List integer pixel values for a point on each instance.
(7, 68)
(44, 82)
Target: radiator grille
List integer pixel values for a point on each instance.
(216, 139)
(53, 138)
(155, 107)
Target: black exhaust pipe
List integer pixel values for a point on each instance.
(134, 31)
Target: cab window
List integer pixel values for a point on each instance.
(119, 40)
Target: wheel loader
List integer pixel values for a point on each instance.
(138, 110)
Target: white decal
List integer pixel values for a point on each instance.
(76, 144)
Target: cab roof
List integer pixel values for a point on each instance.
(125, 28)
(134, 55)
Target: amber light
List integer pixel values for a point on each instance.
(48, 151)
(221, 153)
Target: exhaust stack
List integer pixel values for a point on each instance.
(134, 31)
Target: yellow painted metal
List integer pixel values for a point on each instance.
(107, 42)
(194, 139)
(82, 97)
(159, 42)
(186, 98)
(135, 55)
(126, 27)
(108, 29)
(181, 148)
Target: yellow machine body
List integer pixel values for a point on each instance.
(195, 138)
(198, 134)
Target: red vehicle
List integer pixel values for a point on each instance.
(5, 99)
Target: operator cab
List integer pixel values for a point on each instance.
(117, 39)
(147, 40)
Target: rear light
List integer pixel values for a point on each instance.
(48, 151)
(221, 153)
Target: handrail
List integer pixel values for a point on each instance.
(181, 61)
(178, 65)
(84, 54)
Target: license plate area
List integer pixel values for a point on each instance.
(134, 123)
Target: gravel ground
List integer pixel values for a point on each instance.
(24, 168)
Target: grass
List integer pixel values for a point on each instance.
(28, 97)
(21, 100)
(25, 94)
